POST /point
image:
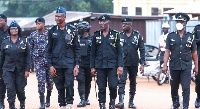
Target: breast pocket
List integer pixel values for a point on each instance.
(172, 44)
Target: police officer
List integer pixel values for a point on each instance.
(3, 35)
(181, 48)
(132, 41)
(15, 61)
(162, 44)
(63, 54)
(84, 77)
(38, 42)
(196, 33)
(106, 60)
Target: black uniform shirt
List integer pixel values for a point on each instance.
(3, 35)
(130, 46)
(85, 44)
(15, 55)
(106, 52)
(196, 33)
(180, 57)
(63, 49)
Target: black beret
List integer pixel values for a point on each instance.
(3, 16)
(104, 17)
(127, 20)
(40, 19)
(182, 16)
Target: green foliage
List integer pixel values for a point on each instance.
(35, 8)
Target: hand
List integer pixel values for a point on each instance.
(164, 69)
(52, 71)
(119, 71)
(141, 68)
(93, 71)
(26, 74)
(76, 71)
(195, 71)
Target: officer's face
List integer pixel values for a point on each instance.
(14, 31)
(182, 22)
(39, 25)
(165, 30)
(2, 22)
(60, 18)
(104, 24)
(126, 26)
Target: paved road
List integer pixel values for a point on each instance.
(148, 95)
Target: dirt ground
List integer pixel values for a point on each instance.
(148, 95)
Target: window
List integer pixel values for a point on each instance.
(138, 11)
(166, 9)
(125, 10)
(154, 11)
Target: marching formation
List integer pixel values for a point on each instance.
(64, 51)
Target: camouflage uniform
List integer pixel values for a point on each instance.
(38, 42)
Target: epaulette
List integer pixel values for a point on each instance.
(189, 32)
(51, 27)
(172, 32)
(96, 31)
(136, 31)
(6, 38)
(115, 31)
(72, 26)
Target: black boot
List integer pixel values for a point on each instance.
(42, 101)
(131, 104)
(47, 104)
(12, 106)
(121, 102)
(87, 102)
(22, 105)
(197, 103)
(102, 105)
(112, 104)
(82, 103)
(2, 105)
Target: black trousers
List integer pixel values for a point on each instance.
(84, 80)
(65, 85)
(15, 84)
(132, 70)
(197, 82)
(183, 77)
(104, 74)
(2, 90)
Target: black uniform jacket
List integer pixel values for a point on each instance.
(180, 57)
(85, 44)
(63, 49)
(131, 45)
(15, 55)
(107, 52)
(196, 33)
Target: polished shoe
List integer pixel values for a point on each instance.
(82, 103)
(102, 105)
(121, 102)
(197, 103)
(47, 104)
(131, 104)
(87, 102)
(42, 105)
(22, 105)
(112, 104)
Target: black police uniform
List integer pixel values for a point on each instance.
(15, 60)
(196, 33)
(180, 65)
(106, 56)
(131, 45)
(63, 52)
(3, 35)
(84, 77)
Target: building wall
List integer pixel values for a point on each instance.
(147, 5)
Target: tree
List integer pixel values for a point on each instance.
(34, 8)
